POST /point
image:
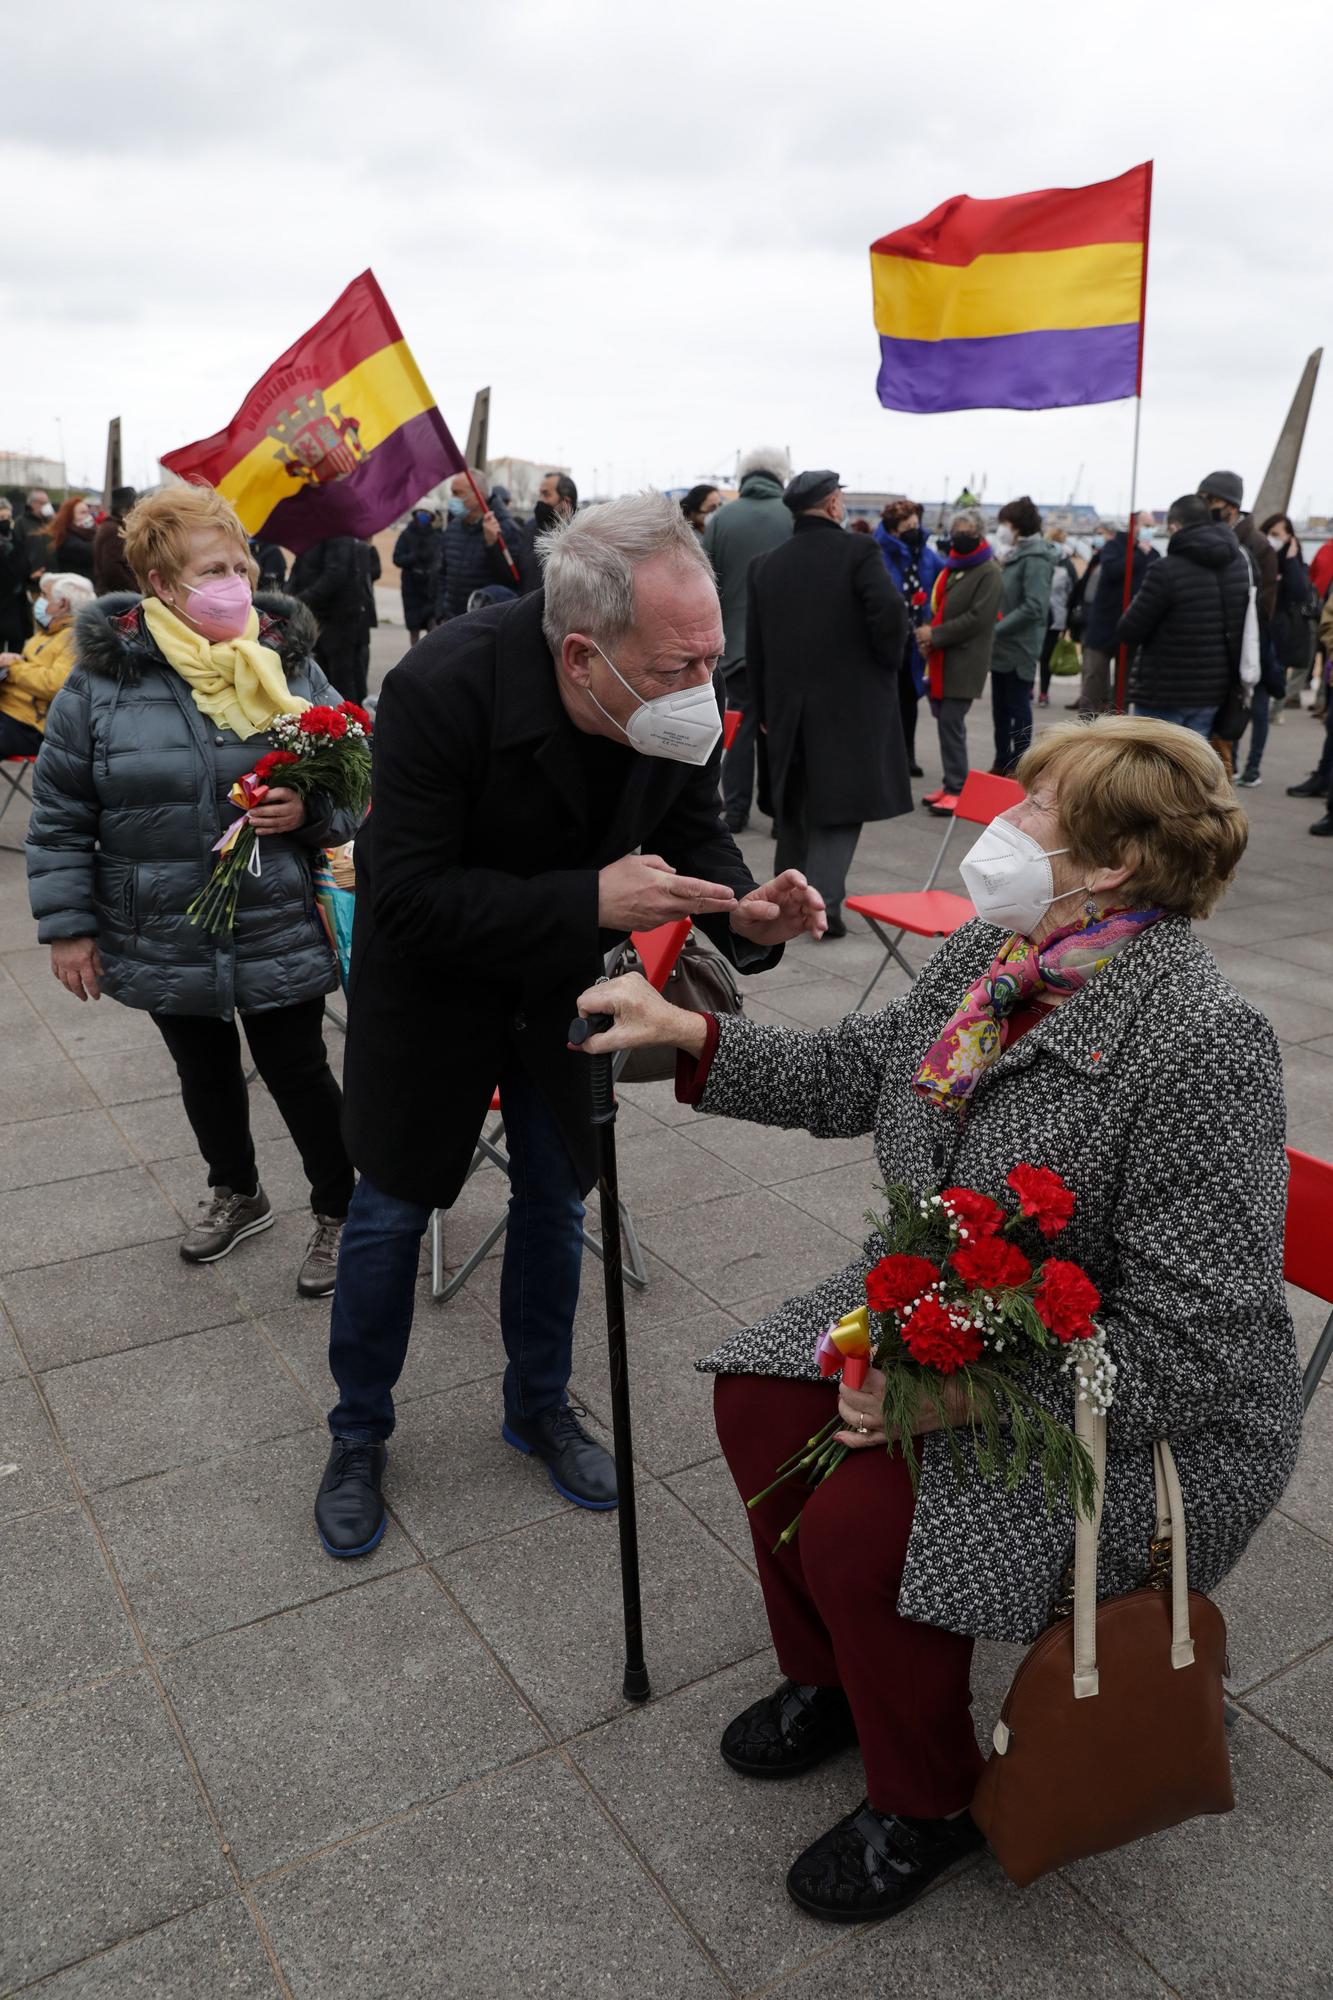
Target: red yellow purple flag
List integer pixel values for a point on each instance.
(338, 438)
(1027, 303)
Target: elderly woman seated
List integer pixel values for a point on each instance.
(31, 680)
(1115, 1053)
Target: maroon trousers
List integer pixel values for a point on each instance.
(831, 1597)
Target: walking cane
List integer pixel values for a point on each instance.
(608, 1188)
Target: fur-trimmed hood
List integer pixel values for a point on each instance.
(113, 642)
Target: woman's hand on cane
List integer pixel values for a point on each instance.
(642, 1018)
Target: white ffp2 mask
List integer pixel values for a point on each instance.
(682, 726)
(1008, 876)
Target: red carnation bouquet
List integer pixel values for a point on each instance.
(323, 750)
(959, 1309)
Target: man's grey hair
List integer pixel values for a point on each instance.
(589, 563)
(968, 517)
(771, 458)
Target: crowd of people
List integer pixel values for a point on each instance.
(549, 778)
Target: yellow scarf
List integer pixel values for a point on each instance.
(236, 683)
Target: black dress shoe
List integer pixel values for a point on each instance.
(874, 1864)
(1309, 788)
(788, 1732)
(836, 927)
(735, 822)
(1323, 828)
(914, 770)
(580, 1469)
(349, 1507)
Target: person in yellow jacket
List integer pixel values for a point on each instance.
(31, 680)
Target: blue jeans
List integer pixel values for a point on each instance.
(539, 1278)
(1200, 720)
(1011, 712)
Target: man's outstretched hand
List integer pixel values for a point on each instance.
(780, 910)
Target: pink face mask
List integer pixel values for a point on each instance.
(220, 608)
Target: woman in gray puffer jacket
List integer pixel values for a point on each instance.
(131, 794)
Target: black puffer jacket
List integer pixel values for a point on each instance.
(1186, 619)
(130, 793)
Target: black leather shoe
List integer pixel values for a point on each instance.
(1309, 788)
(1323, 827)
(874, 1864)
(788, 1732)
(580, 1469)
(836, 927)
(735, 822)
(914, 770)
(349, 1507)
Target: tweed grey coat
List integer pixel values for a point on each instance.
(1156, 1091)
(129, 795)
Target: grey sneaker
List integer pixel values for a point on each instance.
(319, 1273)
(224, 1220)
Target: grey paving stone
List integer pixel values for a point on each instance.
(1315, 952)
(41, 1087)
(840, 1197)
(768, 1014)
(1309, 1316)
(658, 1100)
(212, 1953)
(63, 1624)
(330, 1718)
(975, 1933)
(818, 1002)
(729, 1248)
(770, 1156)
(1309, 1084)
(78, 1218)
(1300, 1704)
(11, 1361)
(208, 1547)
(32, 1470)
(709, 1492)
(719, 1843)
(1278, 1601)
(1233, 1907)
(102, 1830)
(452, 1480)
(663, 1169)
(119, 1076)
(177, 1402)
(672, 1403)
(58, 1149)
(548, 1601)
(122, 1298)
(668, 1296)
(517, 1886)
(1309, 1498)
(98, 1030)
(458, 1342)
(1295, 917)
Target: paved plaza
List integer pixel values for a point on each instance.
(230, 1766)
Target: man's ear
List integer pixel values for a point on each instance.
(576, 657)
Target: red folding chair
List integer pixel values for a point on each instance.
(1307, 1260)
(932, 912)
(731, 722)
(19, 787)
(658, 951)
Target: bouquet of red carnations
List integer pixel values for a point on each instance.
(324, 750)
(957, 1312)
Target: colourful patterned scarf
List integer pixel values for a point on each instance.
(977, 1031)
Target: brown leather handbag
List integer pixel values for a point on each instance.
(1113, 1727)
(701, 981)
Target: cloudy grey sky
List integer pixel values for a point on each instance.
(648, 227)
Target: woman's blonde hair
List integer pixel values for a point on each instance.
(158, 530)
(1147, 796)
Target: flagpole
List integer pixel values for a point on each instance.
(1132, 526)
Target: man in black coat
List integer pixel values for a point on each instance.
(1185, 622)
(418, 554)
(557, 501)
(522, 756)
(825, 632)
(473, 556)
(336, 578)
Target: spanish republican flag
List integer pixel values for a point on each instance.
(1027, 303)
(338, 438)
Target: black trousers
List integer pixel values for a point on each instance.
(908, 703)
(748, 755)
(287, 1044)
(18, 739)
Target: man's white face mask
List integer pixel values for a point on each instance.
(683, 726)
